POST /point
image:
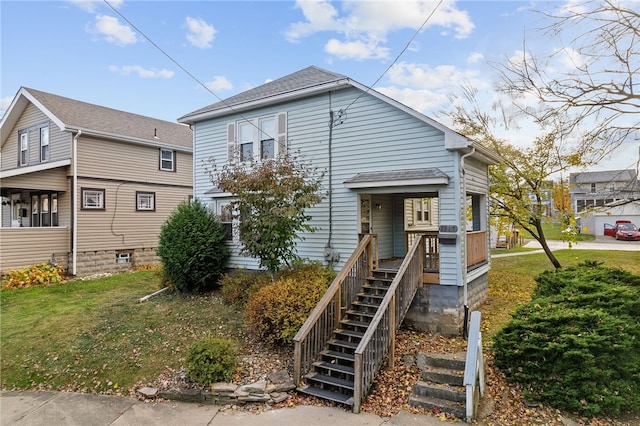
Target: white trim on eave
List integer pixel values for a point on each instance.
(32, 169)
(241, 107)
(121, 138)
(443, 180)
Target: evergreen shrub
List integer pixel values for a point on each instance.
(576, 344)
(192, 248)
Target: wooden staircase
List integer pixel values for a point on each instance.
(332, 374)
(442, 386)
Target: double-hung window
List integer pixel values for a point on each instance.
(44, 143)
(257, 138)
(24, 148)
(167, 160)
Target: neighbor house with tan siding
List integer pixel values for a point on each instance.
(85, 185)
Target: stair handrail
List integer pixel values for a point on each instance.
(393, 311)
(474, 374)
(329, 309)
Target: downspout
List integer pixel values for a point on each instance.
(74, 210)
(328, 249)
(463, 175)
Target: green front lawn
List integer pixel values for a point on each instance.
(93, 336)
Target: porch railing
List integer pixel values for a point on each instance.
(476, 247)
(431, 250)
(379, 339)
(314, 333)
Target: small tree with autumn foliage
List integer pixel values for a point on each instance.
(271, 198)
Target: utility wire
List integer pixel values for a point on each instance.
(415, 34)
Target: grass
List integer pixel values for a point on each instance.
(93, 336)
(553, 231)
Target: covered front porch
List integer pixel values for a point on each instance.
(397, 220)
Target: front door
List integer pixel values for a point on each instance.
(16, 207)
(365, 214)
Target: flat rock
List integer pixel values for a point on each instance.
(257, 387)
(281, 376)
(148, 392)
(223, 387)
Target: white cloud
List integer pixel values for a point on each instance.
(219, 83)
(200, 33)
(366, 24)
(474, 58)
(141, 71)
(422, 100)
(113, 31)
(92, 5)
(355, 50)
(4, 104)
(570, 58)
(442, 78)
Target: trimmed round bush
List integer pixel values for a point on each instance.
(192, 248)
(211, 360)
(276, 312)
(576, 345)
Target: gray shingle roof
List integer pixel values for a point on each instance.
(77, 114)
(304, 79)
(602, 176)
(411, 175)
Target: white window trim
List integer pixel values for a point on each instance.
(44, 142)
(173, 160)
(257, 137)
(152, 201)
(24, 148)
(218, 208)
(100, 197)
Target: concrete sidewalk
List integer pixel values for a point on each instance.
(66, 408)
(600, 243)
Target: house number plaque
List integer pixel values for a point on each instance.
(449, 228)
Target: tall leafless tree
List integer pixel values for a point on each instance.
(599, 98)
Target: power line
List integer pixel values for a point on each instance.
(415, 34)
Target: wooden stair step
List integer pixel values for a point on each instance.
(349, 333)
(330, 380)
(354, 323)
(326, 394)
(340, 368)
(364, 305)
(343, 344)
(338, 355)
(360, 313)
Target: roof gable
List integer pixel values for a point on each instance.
(304, 79)
(314, 80)
(73, 115)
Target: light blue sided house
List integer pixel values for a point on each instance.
(404, 222)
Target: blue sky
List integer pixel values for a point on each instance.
(87, 50)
